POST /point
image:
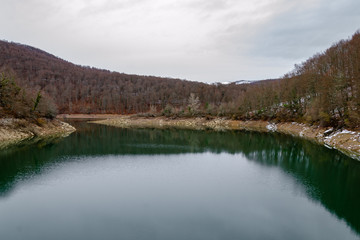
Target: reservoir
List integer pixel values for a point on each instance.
(109, 183)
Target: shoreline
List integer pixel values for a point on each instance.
(14, 131)
(345, 141)
(87, 116)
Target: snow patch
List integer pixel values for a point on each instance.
(328, 146)
(328, 131)
(330, 139)
(271, 127)
(347, 131)
(242, 82)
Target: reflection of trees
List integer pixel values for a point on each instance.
(328, 176)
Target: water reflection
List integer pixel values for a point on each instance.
(328, 177)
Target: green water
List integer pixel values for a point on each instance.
(108, 183)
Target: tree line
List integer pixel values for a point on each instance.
(322, 90)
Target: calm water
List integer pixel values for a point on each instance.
(109, 183)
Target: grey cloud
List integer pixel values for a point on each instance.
(207, 9)
(209, 5)
(204, 40)
(298, 34)
(109, 6)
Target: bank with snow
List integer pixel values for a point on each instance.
(343, 140)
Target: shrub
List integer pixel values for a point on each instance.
(24, 104)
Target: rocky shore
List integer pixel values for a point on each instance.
(343, 140)
(13, 131)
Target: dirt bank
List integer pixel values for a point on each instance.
(14, 130)
(345, 141)
(87, 116)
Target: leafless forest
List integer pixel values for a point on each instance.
(323, 90)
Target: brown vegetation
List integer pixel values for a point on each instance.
(18, 102)
(324, 90)
(78, 89)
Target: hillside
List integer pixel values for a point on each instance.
(79, 89)
(324, 90)
(18, 102)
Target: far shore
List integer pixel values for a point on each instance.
(88, 116)
(343, 140)
(13, 131)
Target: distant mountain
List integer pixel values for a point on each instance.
(235, 82)
(242, 82)
(239, 82)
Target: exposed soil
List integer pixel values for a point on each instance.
(87, 116)
(14, 130)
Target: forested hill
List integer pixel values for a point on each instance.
(322, 90)
(79, 89)
(325, 90)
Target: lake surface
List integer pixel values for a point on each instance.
(109, 183)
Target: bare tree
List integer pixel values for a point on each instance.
(193, 104)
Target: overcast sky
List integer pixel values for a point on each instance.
(199, 40)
